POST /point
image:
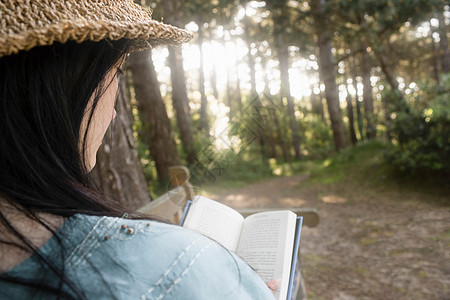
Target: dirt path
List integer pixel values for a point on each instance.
(365, 247)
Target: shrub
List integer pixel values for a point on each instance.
(421, 141)
(318, 138)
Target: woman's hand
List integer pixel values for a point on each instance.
(274, 285)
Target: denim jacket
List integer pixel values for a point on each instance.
(117, 258)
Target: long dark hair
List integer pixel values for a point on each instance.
(43, 97)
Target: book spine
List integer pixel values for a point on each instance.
(298, 229)
(185, 211)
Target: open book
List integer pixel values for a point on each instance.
(267, 241)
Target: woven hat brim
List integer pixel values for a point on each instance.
(137, 26)
(145, 34)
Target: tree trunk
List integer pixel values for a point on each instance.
(313, 100)
(399, 101)
(278, 135)
(203, 100)
(118, 172)
(270, 109)
(271, 140)
(229, 97)
(274, 111)
(328, 74)
(443, 43)
(388, 73)
(238, 85)
(359, 117)
(316, 103)
(251, 60)
(283, 57)
(214, 82)
(435, 60)
(351, 118)
(156, 129)
(279, 19)
(255, 102)
(387, 119)
(367, 95)
(397, 96)
(179, 94)
(180, 104)
(321, 107)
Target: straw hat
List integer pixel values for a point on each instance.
(25, 24)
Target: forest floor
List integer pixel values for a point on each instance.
(374, 241)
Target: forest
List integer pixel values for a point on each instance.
(268, 83)
(339, 105)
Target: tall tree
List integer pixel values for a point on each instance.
(443, 44)
(181, 103)
(350, 114)
(179, 94)
(280, 16)
(379, 27)
(359, 117)
(156, 130)
(328, 73)
(238, 94)
(213, 81)
(206, 14)
(435, 60)
(273, 110)
(258, 123)
(228, 93)
(118, 172)
(248, 36)
(204, 126)
(316, 102)
(367, 94)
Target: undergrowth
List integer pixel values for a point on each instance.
(356, 170)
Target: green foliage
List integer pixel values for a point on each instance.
(422, 134)
(357, 164)
(388, 13)
(363, 172)
(318, 138)
(354, 173)
(226, 165)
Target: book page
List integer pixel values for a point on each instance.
(266, 244)
(215, 220)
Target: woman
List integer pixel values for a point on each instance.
(59, 237)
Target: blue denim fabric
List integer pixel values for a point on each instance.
(116, 258)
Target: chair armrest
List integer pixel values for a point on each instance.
(179, 176)
(171, 204)
(168, 206)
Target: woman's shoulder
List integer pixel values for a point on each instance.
(103, 231)
(161, 260)
(124, 238)
(140, 259)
